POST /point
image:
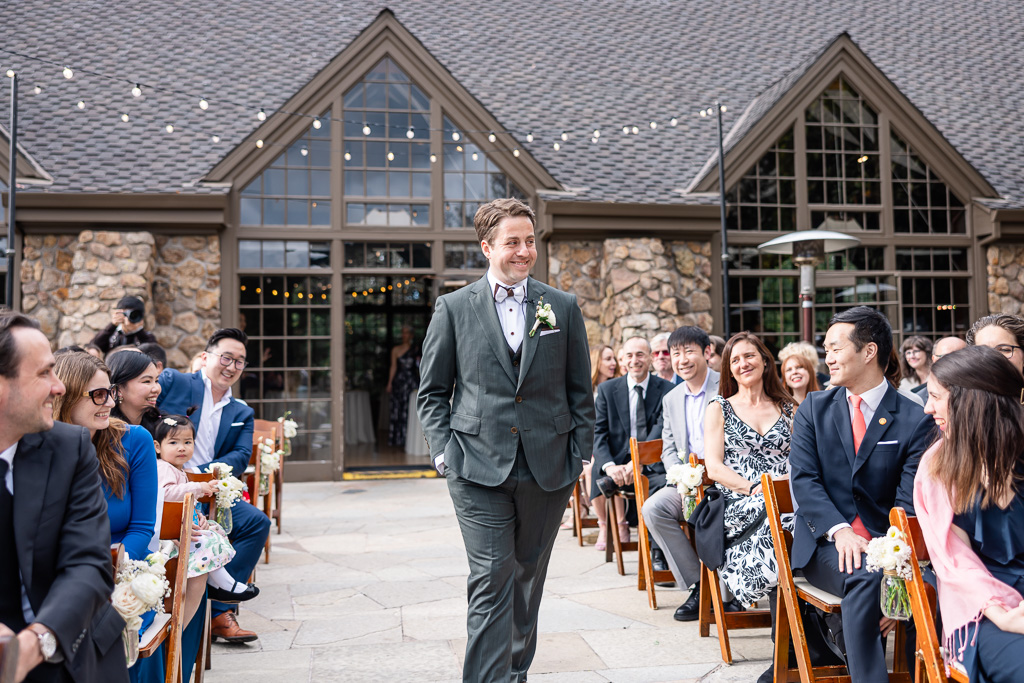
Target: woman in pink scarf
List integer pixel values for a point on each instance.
(966, 495)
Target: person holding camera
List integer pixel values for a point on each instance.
(125, 328)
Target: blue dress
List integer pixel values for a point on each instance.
(133, 523)
(997, 537)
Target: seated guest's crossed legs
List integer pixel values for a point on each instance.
(249, 531)
(861, 612)
(663, 513)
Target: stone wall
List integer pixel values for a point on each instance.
(186, 294)
(635, 286)
(1005, 278)
(71, 282)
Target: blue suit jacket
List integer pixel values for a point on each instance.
(234, 436)
(831, 485)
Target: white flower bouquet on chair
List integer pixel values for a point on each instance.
(687, 479)
(229, 491)
(270, 461)
(140, 586)
(890, 554)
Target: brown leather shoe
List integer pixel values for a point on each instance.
(227, 629)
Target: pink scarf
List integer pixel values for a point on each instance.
(966, 588)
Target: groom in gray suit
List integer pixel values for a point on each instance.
(682, 433)
(506, 405)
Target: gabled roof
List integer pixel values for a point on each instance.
(29, 171)
(533, 66)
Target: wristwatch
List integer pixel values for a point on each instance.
(47, 644)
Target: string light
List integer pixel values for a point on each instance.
(515, 153)
(38, 89)
(391, 156)
(68, 73)
(169, 128)
(703, 112)
(492, 137)
(125, 117)
(410, 133)
(433, 158)
(654, 125)
(366, 129)
(625, 130)
(565, 137)
(259, 144)
(475, 156)
(215, 138)
(456, 136)
(203, 104)
(673, 122)
(81, 104)
(529, 137)
(137, 91)
(316, 123)
(634, 130)
(348, 156)
(10, 73)
(557, 146)
(458, 148)
(597, 133)
(262, 115)
(304, 151)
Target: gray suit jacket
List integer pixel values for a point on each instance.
(673, 409)
(475, 408)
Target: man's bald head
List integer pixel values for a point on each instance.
(946, 346)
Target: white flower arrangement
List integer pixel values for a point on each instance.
(228, 488)
(891, 554)
(544, 315)
(270, 460)
(291, 430)
(686, 477)
(140, 586)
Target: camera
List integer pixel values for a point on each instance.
(134, 315)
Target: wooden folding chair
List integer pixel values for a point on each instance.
(205, 649)
(252, 480)
(579, 522)
(8, 658)
(645, 453)
(272, 501)
(922, 602)
(788, 620)
(711, 608)
(116, 557)
(176, 525)
(616, 546)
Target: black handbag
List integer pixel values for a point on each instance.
(708, 521)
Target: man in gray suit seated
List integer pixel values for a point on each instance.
(682, 434)
(506, 405)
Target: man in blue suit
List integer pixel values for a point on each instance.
(854, 455)
(224, 427)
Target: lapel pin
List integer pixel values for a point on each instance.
(881, 420)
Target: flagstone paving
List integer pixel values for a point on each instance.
(368, 581)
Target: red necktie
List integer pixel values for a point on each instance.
(859, 427)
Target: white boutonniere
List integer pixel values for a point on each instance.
(544, 315)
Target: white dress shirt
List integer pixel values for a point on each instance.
(8, 455)
(694, 406)
(511, 311)
(868, 405)
(209, 424)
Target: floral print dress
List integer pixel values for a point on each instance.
(210, 547)
(750, 570)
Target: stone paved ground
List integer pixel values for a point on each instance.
(368, 584)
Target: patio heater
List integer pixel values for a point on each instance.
(808, 248)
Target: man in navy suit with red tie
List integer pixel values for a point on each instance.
(854, 455)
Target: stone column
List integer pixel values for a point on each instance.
(186, 295)
(1005, 278)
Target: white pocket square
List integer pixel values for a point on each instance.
(242, 424)
(544, 332)
(886, 443)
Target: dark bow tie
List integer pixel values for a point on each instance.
(501, 292)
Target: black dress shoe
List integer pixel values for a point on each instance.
(658, 560)
(689, 610)
(734, 606)
(230, 597)
(768, 676)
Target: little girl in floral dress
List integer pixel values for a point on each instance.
(174, 438)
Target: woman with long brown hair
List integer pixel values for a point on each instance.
(746, 434)
(603, 366)
(967, 496)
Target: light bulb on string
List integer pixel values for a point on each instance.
(215, 138)
(433, 158)
(597, 133)
(565, 137)
(203, 104)
(515, 153)
(68, 73)
(456, 136)
(654, 125)
(259, 144)
(529, 137)
(625, 130)
(410, 133)
(593, 139)
(557, 146)
(169, 128)
(10, 73)
(492, 138)
(348, 156)
(137, 91)
(304, 151)
(366, 129)
(81, 104)
(635, 130)
(125, 117)
(317, 124)
(703, 112)
(475, 156)
(723, 108)
(261, 115)
(391, 156)
(38, 89)
(673, 122)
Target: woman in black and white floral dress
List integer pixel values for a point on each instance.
(747, 434)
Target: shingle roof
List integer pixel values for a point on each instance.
(541, 67)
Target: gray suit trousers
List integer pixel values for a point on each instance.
(663, 513)
(509, 531)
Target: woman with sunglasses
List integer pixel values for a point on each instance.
(127, 461)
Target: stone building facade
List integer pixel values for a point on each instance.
(70, 283)
(634, 286)
(1005, 266)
